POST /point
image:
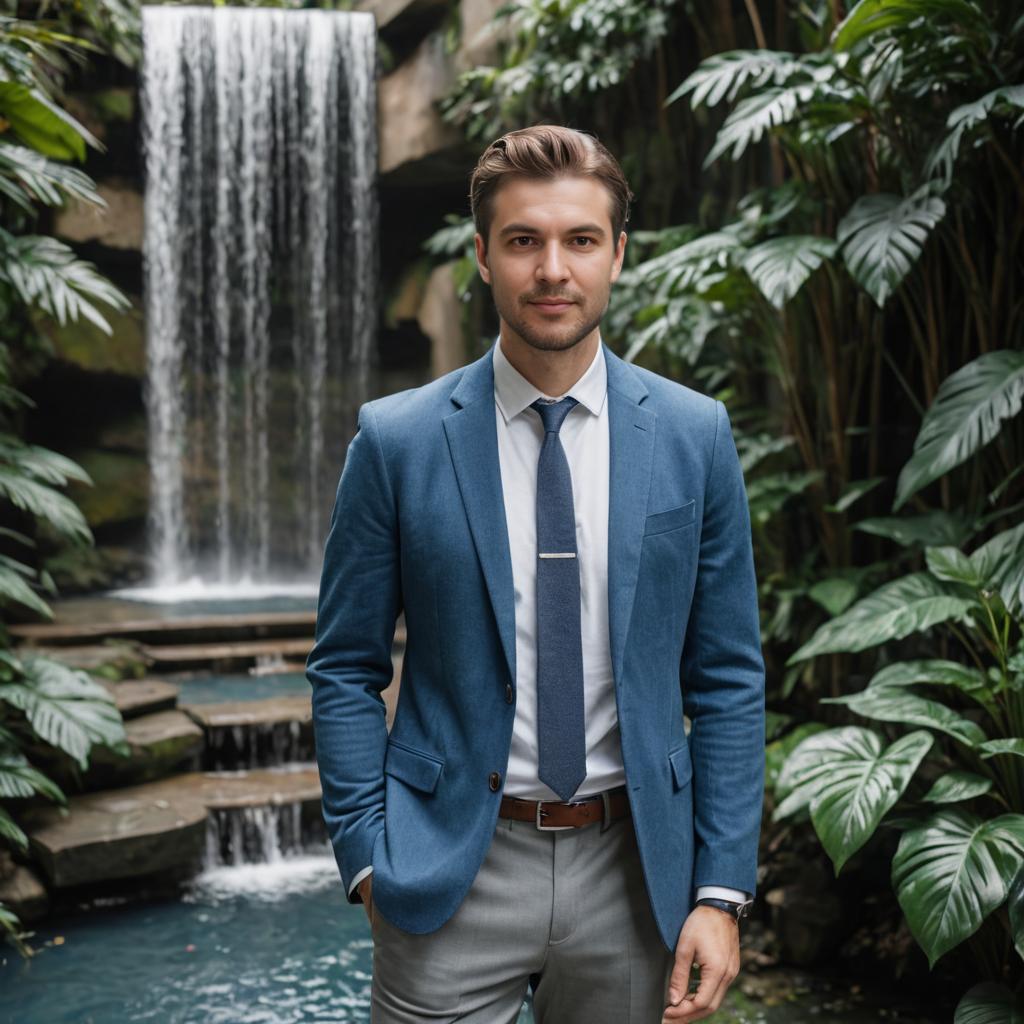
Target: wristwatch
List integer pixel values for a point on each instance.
(734, 910)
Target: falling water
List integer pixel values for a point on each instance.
(260, 262)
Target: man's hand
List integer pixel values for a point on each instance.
(711, 939)
(365, 890)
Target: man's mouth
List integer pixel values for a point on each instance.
(552, 305)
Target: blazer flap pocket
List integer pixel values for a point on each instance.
(682, 766)
(413, 767)
(670, 519)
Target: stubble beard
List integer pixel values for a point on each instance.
(559, 338)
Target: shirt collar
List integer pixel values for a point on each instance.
(514, 393)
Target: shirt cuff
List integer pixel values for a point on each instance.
(723, 893)
(353, 897)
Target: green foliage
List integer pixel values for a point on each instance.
(560, 52)
(967, 414)
(44, 705)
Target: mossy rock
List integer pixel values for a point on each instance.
(120, 491)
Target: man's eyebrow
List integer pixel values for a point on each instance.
(529, 229)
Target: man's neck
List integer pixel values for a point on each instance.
(554, 373)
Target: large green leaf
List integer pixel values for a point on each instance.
(951, 564)
(882, 236)
(898, 608)
(951, 872)
(66, 708)
(929, 528)
(43, 125)
(780, 266)
(989, 1003)
(957, 785)
(872, 16)
(849, 783)
(1012, 746)
(723, 75)
(1000, 562)
(931, 670)
(899, 704)
(26, 175)
(968, 412)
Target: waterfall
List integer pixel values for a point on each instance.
(260, 261)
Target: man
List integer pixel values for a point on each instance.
(569, 538)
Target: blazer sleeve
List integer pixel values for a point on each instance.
(722, 678)
(349, 665)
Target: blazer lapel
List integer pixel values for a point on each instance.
(631, 442)
(473, 443)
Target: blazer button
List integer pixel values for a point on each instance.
(508, 693)
(494, 781)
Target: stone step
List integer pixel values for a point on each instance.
(155, 827)
(270, 711)
(193, 629)
(161, 742)
(135, 697)
(186, 629)
(230, 654)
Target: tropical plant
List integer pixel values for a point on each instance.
(47, 710)
(954, 783)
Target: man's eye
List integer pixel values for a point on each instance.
(587, 241)
(521, 238)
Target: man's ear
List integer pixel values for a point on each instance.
(620, 252)
(481, 258)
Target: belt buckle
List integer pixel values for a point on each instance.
(548, 828)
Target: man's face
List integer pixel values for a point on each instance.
(551, 259)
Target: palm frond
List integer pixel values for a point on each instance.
(964, 120)
(725, 74)
(41, 463)
(27, 175)
(47, 274)
(43, 501)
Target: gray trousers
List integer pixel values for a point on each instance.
(570, 906)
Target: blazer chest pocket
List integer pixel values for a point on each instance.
(670, 519)
(413, 767)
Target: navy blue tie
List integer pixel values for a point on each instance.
(562, 752)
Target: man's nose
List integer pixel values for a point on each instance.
(552, 265)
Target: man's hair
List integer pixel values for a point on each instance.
(546, 151)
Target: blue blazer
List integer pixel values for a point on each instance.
(419, 524)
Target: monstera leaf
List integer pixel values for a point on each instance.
(848, 782)
(896, 609)
(989, 1003)
(968, 412)
(780, 266)
(952, 871)
(882, 236)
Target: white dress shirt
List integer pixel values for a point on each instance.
(585, 439)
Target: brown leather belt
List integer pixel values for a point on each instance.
(550, 815)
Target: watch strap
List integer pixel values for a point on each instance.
(734, 910)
